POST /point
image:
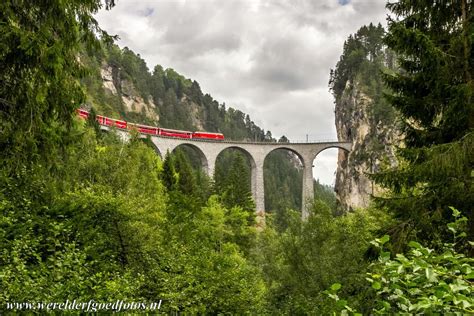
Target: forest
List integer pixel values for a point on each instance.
(85, 216)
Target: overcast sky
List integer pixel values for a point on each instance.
(268, 58)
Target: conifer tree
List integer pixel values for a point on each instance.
(432, 91)
(177, 174)
(168, 175)
(39, 72)
(236, 186)
(186, 178)
(92, 121)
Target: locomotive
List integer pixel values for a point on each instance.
(151, 130)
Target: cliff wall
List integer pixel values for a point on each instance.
(363, 116)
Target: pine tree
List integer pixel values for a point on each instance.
(168, 175)
(92, 121)
(432, 91)
(39, 72)
(186, 179)
(236, 186)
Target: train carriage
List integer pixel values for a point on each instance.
(145, 129)
(151, 130)
(174, 133)
(121, 124)
(207, 135)
(83, 113)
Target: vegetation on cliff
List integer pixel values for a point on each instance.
(164, 97)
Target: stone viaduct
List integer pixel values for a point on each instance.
(256, 153)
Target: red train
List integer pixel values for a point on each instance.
(151, 130)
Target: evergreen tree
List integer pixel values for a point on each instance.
(92, 122)
(283, 139)
(39, 69)
(186, 178)
(283, 180)
(433, 93)
(169, 176)
(362, 54)
(236, 188)
(178, 175)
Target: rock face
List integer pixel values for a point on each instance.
(194, 112)
(363, 116)
(116, 85)
(374, 142)
(106, 73)
(130, 97)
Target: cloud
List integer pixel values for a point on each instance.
(288, 62)
(268, 58)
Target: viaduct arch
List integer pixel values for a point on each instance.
(257, 152)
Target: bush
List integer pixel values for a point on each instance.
(422, 281)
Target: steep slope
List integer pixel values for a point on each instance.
(363, 116)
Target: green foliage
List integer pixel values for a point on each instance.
(186, 179)
(42, 257)
(102, 227)
(234, 184)
(432, 92)
(325, 194)
(86, 216)
(364, 60)
(423, 280)
(173, 95)
(203, 270)
(175, 98)
(363, 53)
(340, 304)
(39, 73)
(183, 176)
(169, 175)
(303, 261)
(283, 178)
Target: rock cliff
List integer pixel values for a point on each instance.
(127, 92)
(373, 147)
(363, 117)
